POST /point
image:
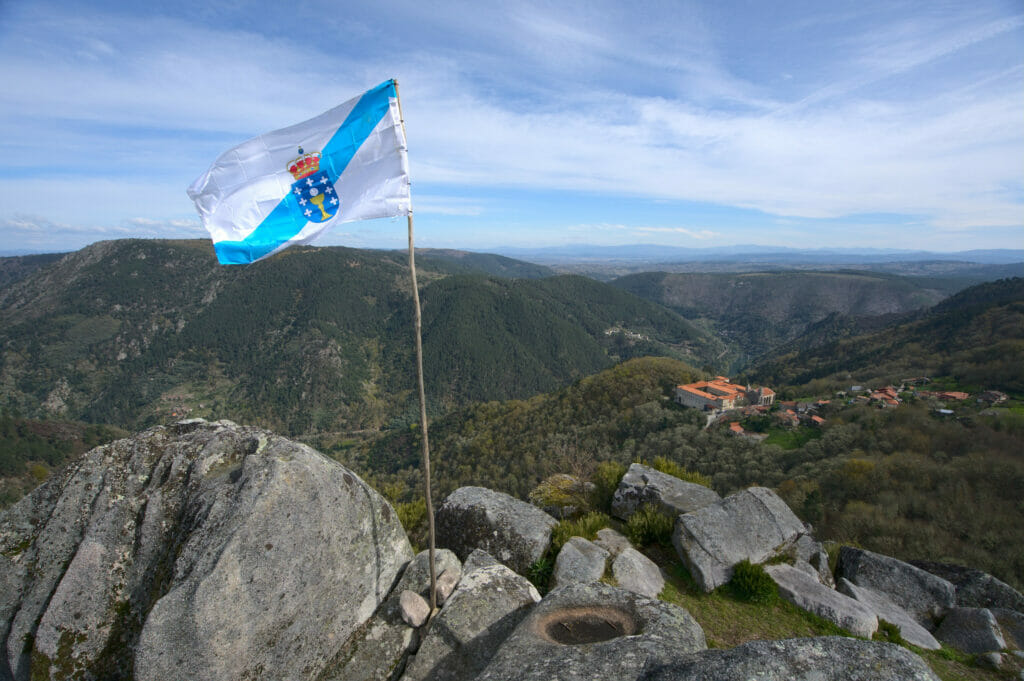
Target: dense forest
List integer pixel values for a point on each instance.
(142, 332)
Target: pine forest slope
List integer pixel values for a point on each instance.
(138, 332)
(975, 337)
(762, 310)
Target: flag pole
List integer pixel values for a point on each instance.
(422, 392)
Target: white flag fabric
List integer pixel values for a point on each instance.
(288, 186)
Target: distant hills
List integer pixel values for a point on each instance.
(758, 312)
(137, 332)
(749, 253)
(975, 337)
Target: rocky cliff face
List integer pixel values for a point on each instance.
(204, 550)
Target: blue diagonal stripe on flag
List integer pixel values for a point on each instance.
(285, 224)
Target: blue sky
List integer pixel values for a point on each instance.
(803, 124)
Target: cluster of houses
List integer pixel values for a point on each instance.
(889, 396)
(724, 399)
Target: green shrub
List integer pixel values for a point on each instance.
(889, 632)
(413, 516)
(539, 573)
(586, 527)
(650, 526)
(559, 491)
(752, 584)
(669, 467)
(606, 479)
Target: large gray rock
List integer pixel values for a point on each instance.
(643, 485)
(580, 560)
(513, 531)
(974, 588)
(633, 571)
(204, 550)
(971, 630)
(1012, 624)
(380, 648)
(885, 609)
(805, 591)
(826, 658)
(487, 605)
(925, 596)
(753, 524)
(557, 639)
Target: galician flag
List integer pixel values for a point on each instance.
(288, 186)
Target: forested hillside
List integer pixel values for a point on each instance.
(976, 338)
(140, 332)
(759, 311)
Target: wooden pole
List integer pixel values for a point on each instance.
(422, 391)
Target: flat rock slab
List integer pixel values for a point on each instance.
(974, 588)
(643, 485)
(825, 658)
(885, 609)
(924, 595)
(971, 630)
(487, 605)
(753, 524)
(633, 571)
(513, 531)
(580, 560)
(200, 550)
(594, 631)
(805, 591)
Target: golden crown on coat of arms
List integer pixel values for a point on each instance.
(305, 165)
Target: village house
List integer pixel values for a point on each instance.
(720, 394)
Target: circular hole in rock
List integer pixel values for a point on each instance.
(576, 626)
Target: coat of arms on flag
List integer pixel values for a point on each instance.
(312, 189)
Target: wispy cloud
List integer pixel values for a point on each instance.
(908, 115)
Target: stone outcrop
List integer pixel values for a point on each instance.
(487, 605)
(513, 531)
(805, 591)
(203, 550)
(974, 588)
(753, 524)
(642, 486)
(379, 649)
(971, 630)
(810, 556)
(579, 560)
(1011, 623)
(594, 631)
(925, 596)
(633, 571)
(885, 609)
(800, 659)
